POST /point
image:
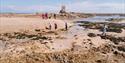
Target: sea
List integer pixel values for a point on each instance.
(101, 18)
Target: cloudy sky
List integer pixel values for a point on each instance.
(86, 6)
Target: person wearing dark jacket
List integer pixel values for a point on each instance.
(50, 26)
(66, 26)
(54, 16)
(55, 26)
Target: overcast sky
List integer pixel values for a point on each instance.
(86, 6)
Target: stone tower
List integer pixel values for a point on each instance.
(62, 12)
(63, 9)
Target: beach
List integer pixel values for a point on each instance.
(29, 40)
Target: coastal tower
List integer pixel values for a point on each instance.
(63, 9)
(62, 12)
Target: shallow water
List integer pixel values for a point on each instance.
(100, 18)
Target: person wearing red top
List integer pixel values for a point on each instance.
(43, 16)
(46, 15)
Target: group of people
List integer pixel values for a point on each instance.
(56, 26)
(48, 16)
(45, 16)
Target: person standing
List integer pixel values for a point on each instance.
(55, 26)
(104, 30)
(54, 16)
(66, 26)
(46, 15)
(43, 16)
(50, 26)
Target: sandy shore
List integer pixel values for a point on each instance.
(21, 23)
(49, 43)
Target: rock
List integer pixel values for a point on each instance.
(115, 52)
(121, 48)
(91, 35)
(37, 30)
(101, 61)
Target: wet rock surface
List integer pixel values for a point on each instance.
(112, 27)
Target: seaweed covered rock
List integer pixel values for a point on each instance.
(117, 30)
(91, 35)
(111, 29)
(114, 39)
(121, 48)
(105, 49)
